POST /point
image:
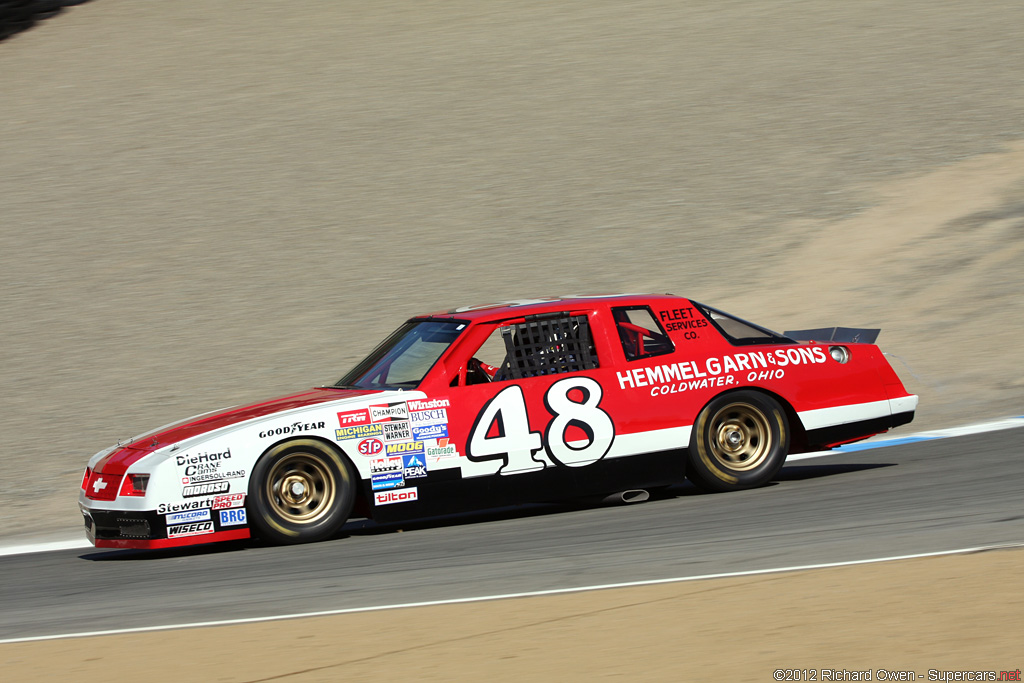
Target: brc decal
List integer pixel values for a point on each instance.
(515, 449)
(232, 517)
(407, 495)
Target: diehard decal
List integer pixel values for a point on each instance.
(358, 432)
(406, 495)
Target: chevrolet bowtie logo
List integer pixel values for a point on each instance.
(98, 485)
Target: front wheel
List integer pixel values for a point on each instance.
(300, 491)
(740, 441)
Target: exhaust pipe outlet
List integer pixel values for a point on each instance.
(625, 497)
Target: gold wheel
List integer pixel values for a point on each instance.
(301, 488)
(741, 438)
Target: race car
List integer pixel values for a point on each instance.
(483, 406)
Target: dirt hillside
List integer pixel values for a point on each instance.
(202, 204)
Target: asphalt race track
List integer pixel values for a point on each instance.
(917, 498)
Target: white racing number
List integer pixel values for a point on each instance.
(594, 422)
(514, 449)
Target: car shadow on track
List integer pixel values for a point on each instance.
(369, 528)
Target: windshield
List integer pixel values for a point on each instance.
(403, 359)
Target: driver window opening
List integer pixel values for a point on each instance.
(640, 333)
(534, 347)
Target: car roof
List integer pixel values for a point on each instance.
(519, 308)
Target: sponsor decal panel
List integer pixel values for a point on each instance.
(193, 529)
(370, 447)
(232, 517)
(427, 432)
(414, 466)
(387, 412)
(391, 464)
(429, 404)
(406, 495)
(294, 428)
(386, 480)
(196, 468)
(359, 432)
(691, 375)
(199, 458)
(396, 431)
(405, 447)
(443, 449)
(683, 320)
(233, 500)
(353, 417)
(206, 489)
(428, 417)
(187, 516)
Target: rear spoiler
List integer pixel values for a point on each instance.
(850, 335)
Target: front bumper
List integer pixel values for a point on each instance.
(147, 529)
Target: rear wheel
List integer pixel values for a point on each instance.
(740, 441)
(300, 491)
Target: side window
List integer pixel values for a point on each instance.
(546, 345)
(740, 331)
(641, 334)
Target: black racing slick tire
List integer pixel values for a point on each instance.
(300, 491)
(739, 441)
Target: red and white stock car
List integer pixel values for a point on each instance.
(485, 406)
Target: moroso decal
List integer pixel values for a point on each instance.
(359, 432)
(395, 496)
(205, 489)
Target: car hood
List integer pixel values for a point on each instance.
(124, 455)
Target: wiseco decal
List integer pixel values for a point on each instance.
(193, 529)
(395, 496)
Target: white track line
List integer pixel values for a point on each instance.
(979, 428)
(508, 596)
